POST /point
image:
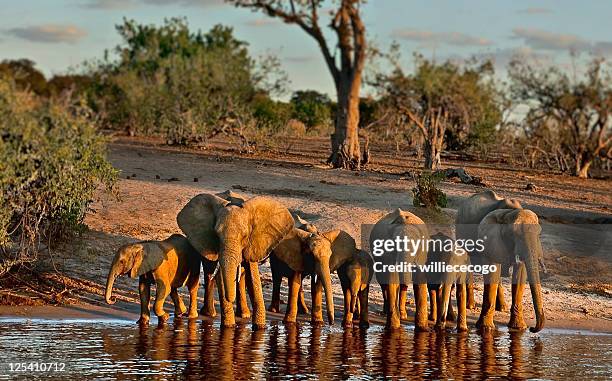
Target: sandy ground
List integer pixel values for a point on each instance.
(577, 290)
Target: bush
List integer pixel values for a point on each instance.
(427, 194)
(51, 162)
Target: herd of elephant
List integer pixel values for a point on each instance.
(228, 236)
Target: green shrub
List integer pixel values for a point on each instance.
(51, 162)
(427, 194)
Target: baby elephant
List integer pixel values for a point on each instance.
(355, 277)
(171, 264)
(439, 281)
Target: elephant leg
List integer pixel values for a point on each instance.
(242, 309)
(161, 293)
(364, 320)
(302, 307)
(420, 299)
(385, 293)
(144, 291)
(179, 306)
(433, 303)
(259, 308)
(519, 277)
(450, 313)
(461, 307)
(348, 314)
(403, 297)
(500, 304)
(208, 309)
(357, 310)
(443, 306)
(277, 279)
(295, 282)
(317, 301)
(488, 300)
(471, 301)
(228, 318)
(193, 284)
(393, 319)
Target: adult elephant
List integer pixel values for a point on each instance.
(400, 224)
(512, 238)
(237, 233)
(316, 254)
(469, 215)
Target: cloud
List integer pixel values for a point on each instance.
(603, 48)
(49, 33)
(434, 38)
(186, 3)
(535, 11)
(540, 39)
(299, 59)
(543, 40)
(502, 57)
(261, 22)
(108, 4)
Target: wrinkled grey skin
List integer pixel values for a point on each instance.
(469, 215)
(512, 238)
(394, 285)
(440, 284)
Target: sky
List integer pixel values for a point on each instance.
(61, 34)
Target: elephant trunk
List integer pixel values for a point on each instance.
(355, 286)
(229, 270)
(444, 301)
(533, 275)
(113, 273)
(322, 270)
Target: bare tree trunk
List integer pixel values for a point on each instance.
(582, 165)
(345, 139)
(433, 147)
(435, 125)
(583, 172)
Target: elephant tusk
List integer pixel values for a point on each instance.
(216, 269)
(238, 273)
(541, 260)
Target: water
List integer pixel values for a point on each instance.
(200, 350)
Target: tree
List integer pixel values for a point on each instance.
(311, 108)
(25, 75)
(346, 72)
(576, 111)
(439, 98)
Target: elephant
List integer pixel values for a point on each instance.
(236, 234)
(171, 264)
(281, 270)
(400, 224)
(469, 215)
(355, 277)
(318, 255)
(512, 238)
(210, 266)
(440, 284)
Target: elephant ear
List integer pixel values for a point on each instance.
(234, 198)
(270, 221)
(289, 249)
(343, 248)
(147, 256)
(497, 235)
(197, 221)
